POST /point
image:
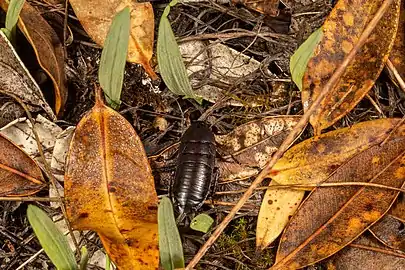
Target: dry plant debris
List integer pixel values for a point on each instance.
(336, 198)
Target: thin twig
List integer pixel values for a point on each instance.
(293, 134)
(311, 186)
(396, 74)
(380, 250)
(30, 199)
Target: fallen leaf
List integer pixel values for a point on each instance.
(355, 258)
(171, 65)
(341, 31)
(202, 223)
(109, 188)
(224, 66)
(276, 209)
(97, 21)
(390, 231)
(310, 162)
(397, 55)
(246, 149)
(332, 217)
(267, 7)
(48, 49)
(19, 174)
(17, 80)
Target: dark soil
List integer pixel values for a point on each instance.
(145, 103)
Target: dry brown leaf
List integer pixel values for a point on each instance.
(109, 188)
(312, 161)
(390, 231)
(267, 7)
(355, 258)
(97, 21)
(397, 55)
(19, 174)
(15, 79)
(47, 47)
(331, 218)
(341, 31)
(246, 149)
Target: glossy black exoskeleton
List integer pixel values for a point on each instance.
(195, 174)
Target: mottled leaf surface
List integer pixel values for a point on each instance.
(96, 17)
(341, 32)
(109, 188)
(331, 218)
(19, 174)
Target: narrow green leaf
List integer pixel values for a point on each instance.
(84, 259)
(107, 262)
(170, 247)
(299, 60)
(13, 12)
(6, 32)
(52, 240)
(113, 58)
(202, 223)
(170, 61)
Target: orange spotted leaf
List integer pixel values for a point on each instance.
(341, 32)
(332, 217)
(96, 17)
(109, 188)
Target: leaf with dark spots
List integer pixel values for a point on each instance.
(341, 31)
(109, 188)
(390, 231)
(19, 174)
(397, 55)
(312, 161)
(332, 217)
(247, 148)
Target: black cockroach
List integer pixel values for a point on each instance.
(195, 173)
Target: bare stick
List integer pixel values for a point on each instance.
(293, 134)
(396, 74)
(30, 199)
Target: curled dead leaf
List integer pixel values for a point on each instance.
(109, 188)
(97, 21)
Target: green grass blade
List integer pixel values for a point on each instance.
(170, 247)
(202, 223)
(52, 240)
(113, 58)
(299, 60)
(84, 259)
(13, 12)
(170, 61)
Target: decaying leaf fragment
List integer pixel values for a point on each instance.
(248, 147)
(109, 188)
(96, 17)
(397, 55)
(17, 80)
(390, 229)
(341, 31)
(48, 49)
(19, 174)
(312, 161)
(355, 258)
(267, 7)
(332, 217)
